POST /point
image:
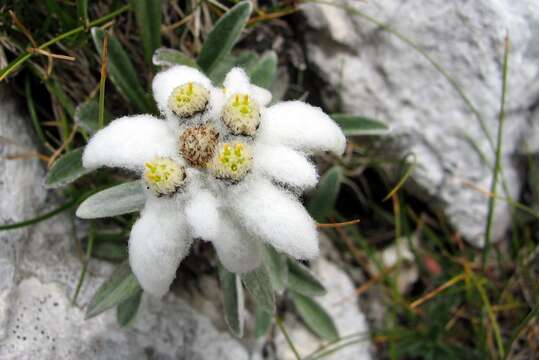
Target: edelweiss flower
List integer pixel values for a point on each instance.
(222, 167)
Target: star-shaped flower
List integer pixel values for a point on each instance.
(222, 167)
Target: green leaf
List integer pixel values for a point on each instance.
(223, 36)
(263, 320)
(87, 115)
(354, 125)
(117, 200)
(119, 287)
(82, 11)
(258, 283)
(109, 251)
(122, 72)
(233, 301)
(276, 267)
(264, 72)
(302, 281)
(244, 59)
(148, 15)
(315, 317)
(170, 57)
(127, 309)
(66, 169)
(322, 203)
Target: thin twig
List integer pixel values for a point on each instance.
(336, 225)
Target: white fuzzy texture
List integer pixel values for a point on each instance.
(236, 251)
(237, 82)
(284, 166)
(166, 81)
(301, 126)
(159, 241)
(276, 217)
(129, 142)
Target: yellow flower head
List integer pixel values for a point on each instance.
(241, 114)
(164, 176)
(231, 161)
(188, 100)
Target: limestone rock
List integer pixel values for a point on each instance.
(380, 76)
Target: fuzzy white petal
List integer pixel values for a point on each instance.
(166, 81)
(301, 126)
(129, 142)
(261, 95)
(285, 166)
(236, 81)
(276, 217)
(202, 214)
(236, 251)
(159, 241)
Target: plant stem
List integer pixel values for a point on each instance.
(496, 169)
(24, 57)
(104, 61)
(280, 324)
(89, 249)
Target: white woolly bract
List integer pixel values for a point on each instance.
(166, 81)
(284, 166)
(236, 251)
(237, 82)
(159, 241)
(275, 216)
(129, 142)
(301, 126)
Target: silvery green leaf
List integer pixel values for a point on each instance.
(119, 287)
(354, 125)
(127, 310)
(315, 317)
(169, 57)
(322, 203)
(233, 301)
(258, 283)
(277, 268)
(264, 72)
(302, 281)
(87, 114)
(66, 169)
(244, 59)
(263, 320)
(223, 36)
(117, 200)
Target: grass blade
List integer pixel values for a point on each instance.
(148, 15)
(122, 72)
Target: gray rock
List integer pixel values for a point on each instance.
(380, 76)
(341, 303)
(39, 270)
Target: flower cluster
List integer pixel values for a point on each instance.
(222, 166)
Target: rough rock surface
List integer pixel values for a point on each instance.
(378, 75)
(39, 270)
(341, 303)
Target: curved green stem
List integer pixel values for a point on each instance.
(24, 57)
